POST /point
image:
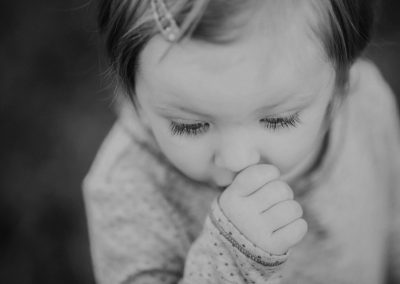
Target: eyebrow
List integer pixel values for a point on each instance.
(170, 109)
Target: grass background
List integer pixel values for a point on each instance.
(54, 112)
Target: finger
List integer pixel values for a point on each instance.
(288, 236)
(282, 214)
(269, 195)
(252, 178)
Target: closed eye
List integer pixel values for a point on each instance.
(188, 129)
(276, 123)
(193, 129)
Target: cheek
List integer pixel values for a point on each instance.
(295, 146)
(190, 156)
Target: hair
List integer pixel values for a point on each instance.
(344, 29)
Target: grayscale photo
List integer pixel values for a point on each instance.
(200, 141)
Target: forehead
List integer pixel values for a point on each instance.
(273, 59)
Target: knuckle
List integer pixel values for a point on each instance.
(289, 236)
(303, 226)
(248, 177)
(283, 190)
(264, 173)
(295, 209)
(252, 178)
(299, 230)
(239, 181)
(226, 200)
(271, 170)
(278, 246)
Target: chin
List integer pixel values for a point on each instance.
(199, 178)
(212, 181)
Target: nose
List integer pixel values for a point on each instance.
(236, 152)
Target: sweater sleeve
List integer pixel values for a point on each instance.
(136, 237)
(223, 255)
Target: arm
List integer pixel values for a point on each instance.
(136, 237)
(222, 254)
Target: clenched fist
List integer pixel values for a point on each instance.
(262, 207)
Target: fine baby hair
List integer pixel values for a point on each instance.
(343, 28)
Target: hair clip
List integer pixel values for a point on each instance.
(165, 21)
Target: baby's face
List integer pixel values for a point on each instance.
(218, 109)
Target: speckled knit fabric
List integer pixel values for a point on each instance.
(150, 224)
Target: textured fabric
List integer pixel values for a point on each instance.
(150, 224)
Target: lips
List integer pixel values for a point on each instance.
(222, 188)
(216, 177)
(223, 181)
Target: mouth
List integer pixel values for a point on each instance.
(223, 184)
(222, 188)
(222, 179)
(219, 184)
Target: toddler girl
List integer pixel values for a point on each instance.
(256, 147)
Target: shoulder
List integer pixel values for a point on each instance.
(123, 188)
(131, 225)
(127, 154)
(371, 94)
(116, 181)
(370, 113)
(112, 159)
(373, 115)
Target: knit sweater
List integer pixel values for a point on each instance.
(149, 223)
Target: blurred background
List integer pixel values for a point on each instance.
(55, 109)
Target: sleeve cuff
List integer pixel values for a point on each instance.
(240, 243)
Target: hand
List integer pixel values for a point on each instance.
(262, 207)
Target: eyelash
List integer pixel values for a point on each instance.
(273, 123)
(188, 129)
(281, 122)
